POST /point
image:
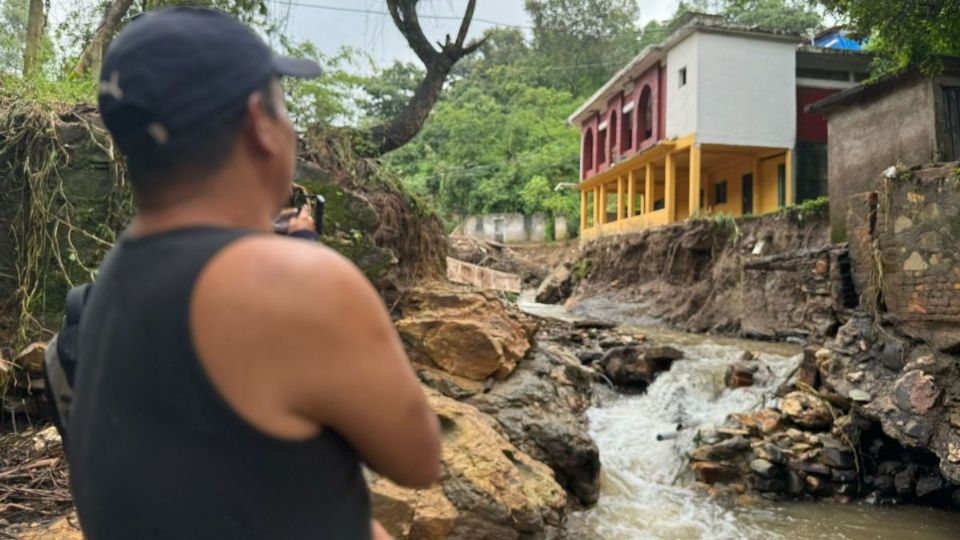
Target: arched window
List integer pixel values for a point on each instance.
(613, 138)
(645, 114)
(587, 152)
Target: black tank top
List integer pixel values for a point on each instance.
(155, 451)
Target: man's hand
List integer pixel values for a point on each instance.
(302, 221)
(379, 533)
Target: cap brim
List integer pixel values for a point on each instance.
(302, 68)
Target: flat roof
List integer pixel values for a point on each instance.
(688, 25)
(886, 83)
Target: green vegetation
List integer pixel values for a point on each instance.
(903, 33)
(582, 268)
(813, 208)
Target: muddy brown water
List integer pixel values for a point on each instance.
(646, 489)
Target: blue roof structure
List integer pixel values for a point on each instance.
(837, 39)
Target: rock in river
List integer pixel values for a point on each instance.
(806, 410)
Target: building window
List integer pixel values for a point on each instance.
(720, 193)
(781, 185)
(659, 204)
(645, 114)
(588, 152)
(602, 147)
(683, 76)
(823, 74)
(613, 138)
(626, 137)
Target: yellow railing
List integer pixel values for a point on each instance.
(627, 225)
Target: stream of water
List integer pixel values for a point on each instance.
(645, 487)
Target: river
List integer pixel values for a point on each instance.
(646, 489)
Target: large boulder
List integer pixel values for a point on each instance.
(558, 285)
(424, 514)
(468, 333)
(540, 407)
(489, 489)
(638, 365)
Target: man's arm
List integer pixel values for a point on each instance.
(298, 340)
(367, 391)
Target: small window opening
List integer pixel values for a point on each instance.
(588, 151)
(720, 193)
(613, 139)
(602, 147)
(781, 185)
(645, 114)
(626, 138)
(683, 76)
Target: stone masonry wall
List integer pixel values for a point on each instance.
(904, 242)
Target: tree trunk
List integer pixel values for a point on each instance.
(93, 55)
(403, 127)
(35, 23)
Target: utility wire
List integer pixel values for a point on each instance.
(661, 32)
(386, 13)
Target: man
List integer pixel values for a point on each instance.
(231, 380)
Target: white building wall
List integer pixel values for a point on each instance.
(682, 101)
(746, 90)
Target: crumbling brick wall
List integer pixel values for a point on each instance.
(905, 243)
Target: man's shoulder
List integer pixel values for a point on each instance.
(269, 269)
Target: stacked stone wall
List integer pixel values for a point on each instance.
(905, 241)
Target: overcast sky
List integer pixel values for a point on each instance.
(364, 24)
(330, 29)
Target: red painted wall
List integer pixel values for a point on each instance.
(654, 78)
(650, 78)
(662, 99)
(591, 126)
(811, 127)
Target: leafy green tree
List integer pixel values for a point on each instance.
(797, 16)
(581, 43)
(903, 32)
(482, 147)
(388, 91)
(13, 34)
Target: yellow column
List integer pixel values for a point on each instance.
(671, 188)
(583, 209)
(790, 187)
(631, 193)
(620, 198)
(596, 206)
(694, 179)
(603, 204)
(648, 190)
(757, 186)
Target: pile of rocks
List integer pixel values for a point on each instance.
(625, 359)
(24, 393)
(862, 417)
(517, 453)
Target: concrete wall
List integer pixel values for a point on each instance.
(511, 228)
(479, 276)
(682, 100)
(867, 137)
(747, 91)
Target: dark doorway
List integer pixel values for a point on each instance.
(951, 98)
(747, 194)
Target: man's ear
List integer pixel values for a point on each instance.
(261, 129)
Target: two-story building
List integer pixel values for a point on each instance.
(711, 120)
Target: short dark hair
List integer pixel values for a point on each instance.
(208, 152)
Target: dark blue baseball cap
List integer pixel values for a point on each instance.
(172, 71)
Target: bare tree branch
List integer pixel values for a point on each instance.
(465, 24)
(403, 127)
(93, 53)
